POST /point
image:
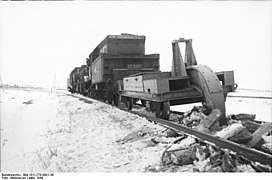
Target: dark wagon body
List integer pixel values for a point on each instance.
(116, 57)
(115, 67)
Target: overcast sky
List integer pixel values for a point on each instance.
(38, 39)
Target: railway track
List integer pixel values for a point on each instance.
(248, 153)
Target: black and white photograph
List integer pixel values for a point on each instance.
(146, 87)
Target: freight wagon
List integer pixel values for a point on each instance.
(116, 57)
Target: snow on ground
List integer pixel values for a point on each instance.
(236, 104)
(58, 132)
(251, 93)
(261, 107)
(22, 123)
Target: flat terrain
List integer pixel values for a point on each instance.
(43, 131)
(60, 132)
(244, 101)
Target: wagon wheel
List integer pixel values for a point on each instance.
(158, 110)
(110, 97)
(148, 106)
(166, 110)
(143, 102)
(135, 100)
(206, 81)
(163, 110)
(115, 99)
(129, 103)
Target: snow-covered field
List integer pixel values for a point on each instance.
(260, 106)
(243, 101)
(58, 132)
